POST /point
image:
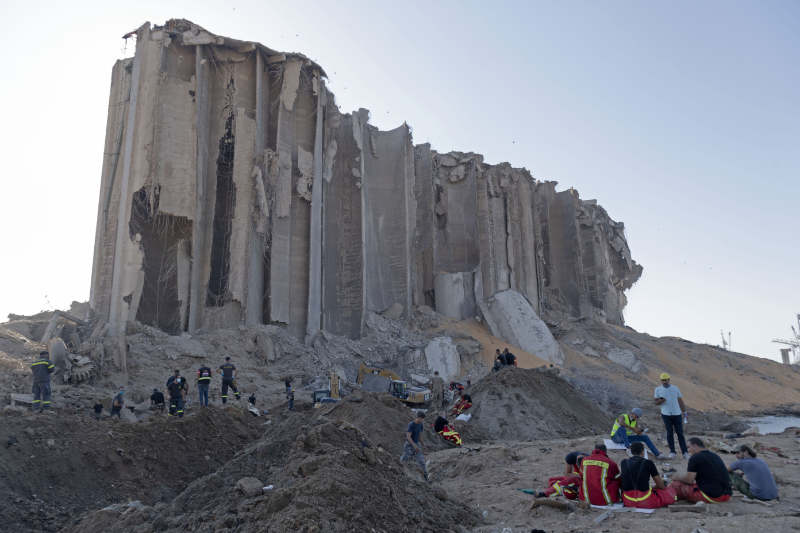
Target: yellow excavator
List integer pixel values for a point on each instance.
(376, 379)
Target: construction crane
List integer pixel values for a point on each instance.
(793, 344)
(726, 344)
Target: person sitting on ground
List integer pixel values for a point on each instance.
(446, 431)
(626, 430)
(635, 476)
(706, 478)
(511, 359)
(252, 399)
(757, 482)
(117, 403)
(98, 409)
(157, 400)
(600, 478)
(567, 485)
(461, 405)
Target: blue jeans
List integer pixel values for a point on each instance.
(622, 437)
(202, 390)
(674, 422)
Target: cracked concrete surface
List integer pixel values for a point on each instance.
(291, 212)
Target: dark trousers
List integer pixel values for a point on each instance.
(674, 422)
(41, 395)
(176, 406)
(225, 384)
(116, 411)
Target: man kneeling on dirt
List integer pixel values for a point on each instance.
(569, 484)
(636, 490)
(446, 431)
(412, 447)
(706, 478)
(600, 479)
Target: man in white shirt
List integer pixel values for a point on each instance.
(673, 410)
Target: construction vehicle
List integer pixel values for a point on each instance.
(329, 395)
(375, 379)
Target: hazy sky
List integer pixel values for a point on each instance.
(681, 118)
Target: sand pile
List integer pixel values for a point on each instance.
(530, 404)
(327, 476)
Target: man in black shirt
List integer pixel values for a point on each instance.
(157, 400)
(636, 473)
(228, 372)
(177, 387)
(706, 478)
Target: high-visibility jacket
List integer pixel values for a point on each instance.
(450, 434)
(461, 406)
(628, 421)
(567, 486)
(203, 375)
(600, 483)
(42, 368)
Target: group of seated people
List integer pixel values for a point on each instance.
(596, 479)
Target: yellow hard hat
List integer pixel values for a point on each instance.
(663, 375)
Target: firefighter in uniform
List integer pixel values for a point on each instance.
(228, 371)
(203, 381)
(446, 431)
(569, 484)
(600, 483)
(42, 368)
(176, 385)
(461, 405)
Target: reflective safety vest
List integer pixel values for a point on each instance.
(627, 421)
(450, 434)
(204, 375)
(600, 481)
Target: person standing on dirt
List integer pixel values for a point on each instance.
(757, 483)
(412, 447)
(511, 359)
(203, 381)
(41, 369)
(177, 387)
(117, 403)
(673, 410)
(437, 391)
(228, 371)
(635, 476)
(626, 430)
(706, 478)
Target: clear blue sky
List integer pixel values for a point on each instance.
(681, 118)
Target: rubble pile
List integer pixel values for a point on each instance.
(325, 475)
(519, 405)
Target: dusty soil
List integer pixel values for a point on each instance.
(53, 466)
(530, 404)
(328, 474)
(487, 478)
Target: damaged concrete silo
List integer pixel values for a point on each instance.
(234, 191)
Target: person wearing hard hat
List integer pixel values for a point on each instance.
(673, 411)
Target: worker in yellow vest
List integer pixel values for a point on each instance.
(627, 430)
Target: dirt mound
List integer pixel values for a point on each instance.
(56, 465)
(530, 404)
(383, 419)
(328, 476)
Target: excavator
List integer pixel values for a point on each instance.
(329, 395)
(376, 379)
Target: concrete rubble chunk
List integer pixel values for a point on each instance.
(441, 354)
(512, 318)
(250, 486)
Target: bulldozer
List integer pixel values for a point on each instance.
(375, 379)
(329, 395)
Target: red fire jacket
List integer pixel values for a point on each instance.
(601, 483)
